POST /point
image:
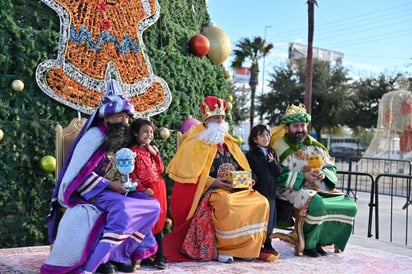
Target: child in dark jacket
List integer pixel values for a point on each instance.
(265, 166)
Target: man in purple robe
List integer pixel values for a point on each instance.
(105, 228)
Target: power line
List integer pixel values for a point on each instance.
(369, 19)
(370, 39)
(359, 30)
(349, 20)
(364, 28)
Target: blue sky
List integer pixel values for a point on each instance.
(375, 36)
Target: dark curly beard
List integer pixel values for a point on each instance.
(118, 137)
(297, 137)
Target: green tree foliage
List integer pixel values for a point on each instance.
(29, 34)
(365, 97)
(330, 93)
(240, 111)
(337, 99)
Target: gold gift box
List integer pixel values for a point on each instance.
(240, 179)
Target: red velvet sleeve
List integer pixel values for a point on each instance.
(159, 162)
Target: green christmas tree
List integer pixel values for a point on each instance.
(29, 35)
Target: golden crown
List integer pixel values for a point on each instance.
(212, 106)
(292, 109)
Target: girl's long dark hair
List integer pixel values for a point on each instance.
(136, 125)
(256, 130)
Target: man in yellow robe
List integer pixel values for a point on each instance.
(207, 153)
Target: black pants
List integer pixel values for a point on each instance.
(284, 213)
(271, 222)
(159, 253)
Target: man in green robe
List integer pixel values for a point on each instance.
(308, 183)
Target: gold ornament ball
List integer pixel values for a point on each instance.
(48, 163)
(230, 98)
(17, 85)
(164, 133)
(229, 106)
(219, 44)
(1, 134)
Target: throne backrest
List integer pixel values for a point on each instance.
(64, 140)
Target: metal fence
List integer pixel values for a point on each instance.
(382, 191)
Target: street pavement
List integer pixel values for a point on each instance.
(394, 222)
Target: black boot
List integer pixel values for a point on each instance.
(122, 267)
(106, 268)
(320, 250)
(268, 248)
(160, 261)
(311, 253)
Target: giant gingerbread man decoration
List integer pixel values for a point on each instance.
(99, 40)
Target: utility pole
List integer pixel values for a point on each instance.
(309, 56)
(263, 71)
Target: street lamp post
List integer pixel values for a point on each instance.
(263, 71)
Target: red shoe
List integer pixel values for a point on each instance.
(270, 250)
(268, 257)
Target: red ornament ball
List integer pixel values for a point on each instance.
(199, 45)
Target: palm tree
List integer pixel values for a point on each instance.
(251, 50)
(309, 74)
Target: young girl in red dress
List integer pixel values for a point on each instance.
(148, 173)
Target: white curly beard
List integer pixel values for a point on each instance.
(214, 133)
